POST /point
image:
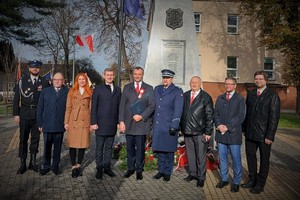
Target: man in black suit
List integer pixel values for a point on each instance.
(27, 93)
(262, 117)
(136, 107)
(105, 110)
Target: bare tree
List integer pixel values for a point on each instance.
(56, 32)
(103, 19)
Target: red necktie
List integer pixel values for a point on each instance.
(192, 97)
(228, 96)
(258, 93)
(137, 88)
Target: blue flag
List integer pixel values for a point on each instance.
(133, 7)
(48, 75)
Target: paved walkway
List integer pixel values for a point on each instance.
(283, 181)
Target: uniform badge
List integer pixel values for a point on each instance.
(29, 89)
(26, 92)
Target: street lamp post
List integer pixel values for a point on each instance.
(73, 29)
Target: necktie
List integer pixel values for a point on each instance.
(34, 81)
(192, 97)
(137, 88)
(258, 93)
(228, 96)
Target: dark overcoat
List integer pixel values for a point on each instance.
(105, 109)
(231, 113)
(51, 109)
(129, 97)
(168, 111)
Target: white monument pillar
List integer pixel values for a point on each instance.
(172, 43)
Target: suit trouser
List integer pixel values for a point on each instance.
(104, 145)
(55, 140)
(135, 145)
(165, 162)
(264, 151)
(28, 126)
(196, 154)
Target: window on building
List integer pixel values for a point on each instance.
(197, 21)
(269, 64)
(232, 24)
(232, 66)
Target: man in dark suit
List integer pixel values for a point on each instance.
(27, 93)
(230, 112)
(50, 120)
(197, 127)
(168, 110)
(263, 112)
(136, 108)
(104, 120)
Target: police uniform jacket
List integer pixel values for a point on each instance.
(145, 98)
(168, 111)
(51, 109)
(231, 113)
(197, 118)
(27, 95)
(262, 116)
(105, 109)
(78, 116)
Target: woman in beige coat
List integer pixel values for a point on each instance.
(77, 121)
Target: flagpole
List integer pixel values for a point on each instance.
(120, 44)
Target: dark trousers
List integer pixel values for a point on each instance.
(73, 153)
(196, 154)
(55, 140)
(165, 162)
(28, 126)
(104, 145)
(135, 145)
(264, 151)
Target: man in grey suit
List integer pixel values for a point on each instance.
(136, 107)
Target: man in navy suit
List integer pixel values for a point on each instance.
(50, 120)
(136, 108)
(105, 110)
(168, 110)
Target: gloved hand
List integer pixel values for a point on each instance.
(172, 131)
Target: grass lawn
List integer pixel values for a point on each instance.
(289, 120)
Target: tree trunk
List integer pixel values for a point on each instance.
(298, 100)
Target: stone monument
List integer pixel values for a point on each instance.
(172, 43)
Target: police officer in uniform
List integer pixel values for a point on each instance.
(168, 110)
(27, 92)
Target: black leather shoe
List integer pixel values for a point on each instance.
(190, 178)
(167, 177)
(200, 183)
(75, 173)
(32, 163)
(158, 175)
(235, 188)
(99, 173)
(56, 171)
(22, 169)
(128, 173)
(109, 173)
(44, 171)
(139, 176)
(256, 190)
(221, 184)
(248, 185)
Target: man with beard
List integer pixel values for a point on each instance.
(27, 93)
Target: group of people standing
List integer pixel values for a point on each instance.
(140, 110)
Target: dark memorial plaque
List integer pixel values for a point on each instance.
(173, 58)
